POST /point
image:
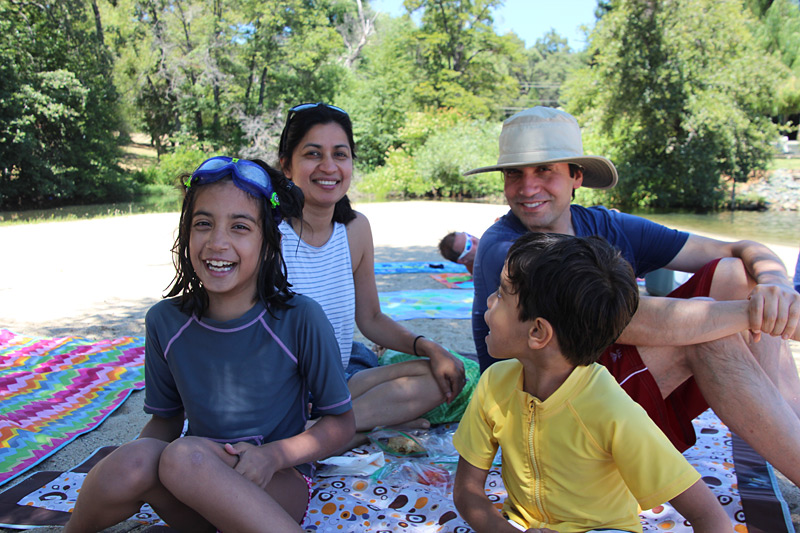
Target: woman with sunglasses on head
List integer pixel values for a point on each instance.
(234, 352)
(329, 256)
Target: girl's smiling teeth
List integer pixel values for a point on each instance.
(327, 183)
(219, 266)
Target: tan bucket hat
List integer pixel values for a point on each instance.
(542, 135)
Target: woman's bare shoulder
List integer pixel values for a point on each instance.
(359, 226)
(359, 236)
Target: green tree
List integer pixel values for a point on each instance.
(220, 73)
(549, 62)
(677, 95)
(59, 112)
(779, 34)
(435, 149)
(380, 93)
(467, 65)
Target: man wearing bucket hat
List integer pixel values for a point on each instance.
(680, 354)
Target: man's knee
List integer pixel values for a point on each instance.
(727, 353)
(731, 280)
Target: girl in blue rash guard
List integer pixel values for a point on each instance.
(236, 353)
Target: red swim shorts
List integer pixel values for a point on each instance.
(673, 414)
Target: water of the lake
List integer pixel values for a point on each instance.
(774, 227)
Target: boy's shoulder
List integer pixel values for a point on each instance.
(599, 400)
(500, 381)
(502, 372)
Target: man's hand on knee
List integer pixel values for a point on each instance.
(775, 310)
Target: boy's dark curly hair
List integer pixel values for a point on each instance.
(581, 285)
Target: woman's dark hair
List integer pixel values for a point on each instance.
(298, 123)
(272, 287)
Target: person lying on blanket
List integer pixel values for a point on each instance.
(329, 257)
(459, 247)
(235, 352)
(578, 454)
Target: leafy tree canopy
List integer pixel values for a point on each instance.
(677, 94)
(467, 65)
(57, 107)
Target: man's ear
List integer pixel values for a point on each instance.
(540, 333)
(578, 180)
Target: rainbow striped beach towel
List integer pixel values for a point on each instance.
(54, 390)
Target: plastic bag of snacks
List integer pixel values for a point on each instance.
(397, 443)
(439, 477)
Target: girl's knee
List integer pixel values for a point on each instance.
(135, 462)
(184, 456)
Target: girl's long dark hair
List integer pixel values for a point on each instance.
(273, 290)
(298, 124)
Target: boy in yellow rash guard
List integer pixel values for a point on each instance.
(578, 453)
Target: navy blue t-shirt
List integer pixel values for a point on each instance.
(646, 245)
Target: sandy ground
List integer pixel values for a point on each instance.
(97, 278)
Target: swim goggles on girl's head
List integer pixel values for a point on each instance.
(467, 246)
(248, 176)
(299, 108)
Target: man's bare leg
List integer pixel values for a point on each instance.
(739, 391)
(731, 282)
(775, 358)
(752, 386)
(742, 394)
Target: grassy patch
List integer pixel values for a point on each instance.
(155, 199)
(138, 155)
(784, 163)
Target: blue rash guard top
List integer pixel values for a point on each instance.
(246, 379)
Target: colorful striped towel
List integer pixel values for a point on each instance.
(455, 281)
(53, 390)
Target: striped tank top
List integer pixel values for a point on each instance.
(325, 274)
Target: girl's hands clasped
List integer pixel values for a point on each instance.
(255, 463)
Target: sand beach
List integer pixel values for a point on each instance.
(97, 278)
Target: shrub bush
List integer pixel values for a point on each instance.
(438, 147)
(171, 166)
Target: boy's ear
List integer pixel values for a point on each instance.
(540, 333)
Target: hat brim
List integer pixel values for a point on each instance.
(598, 172)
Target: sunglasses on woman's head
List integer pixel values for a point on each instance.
(299, 108)
(302, 107)
(248, 176)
